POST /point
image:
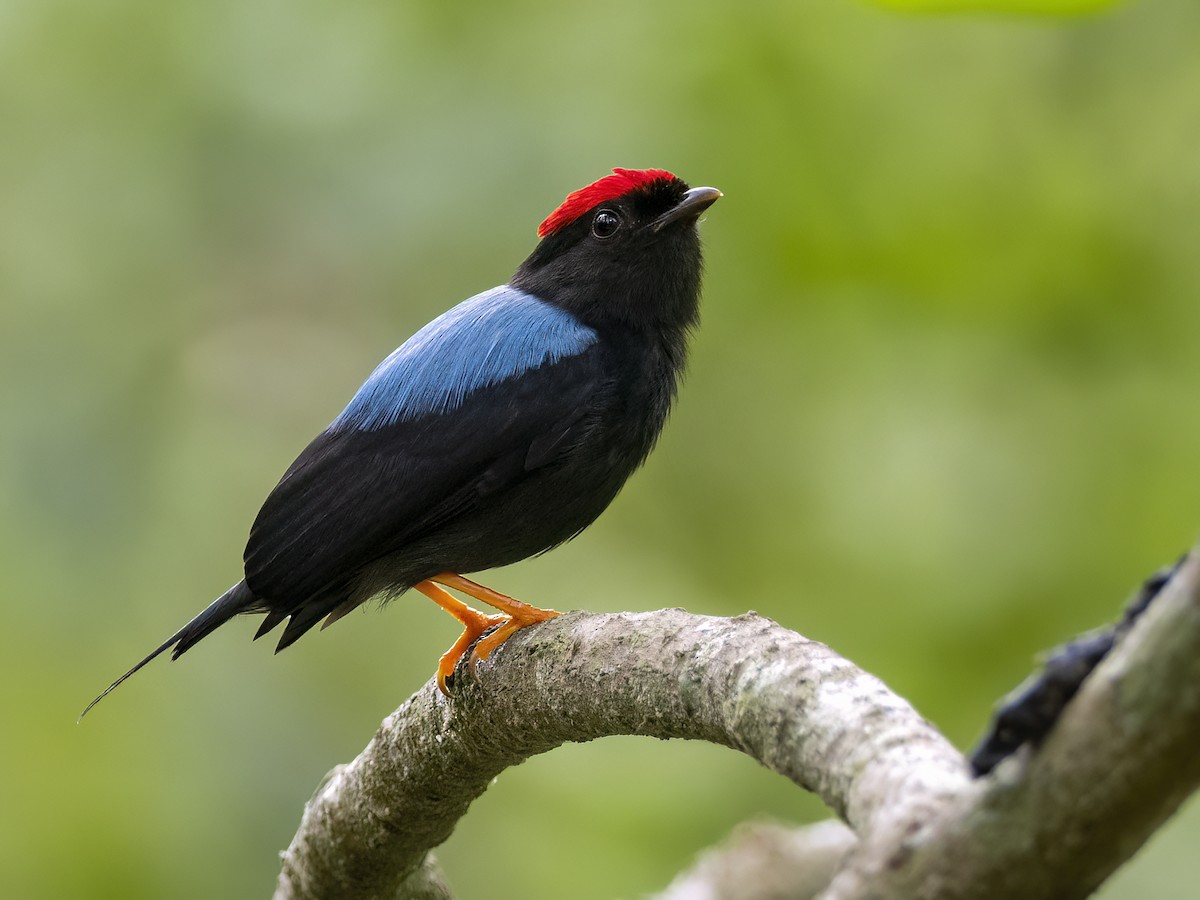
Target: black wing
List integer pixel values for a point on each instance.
(356, 495)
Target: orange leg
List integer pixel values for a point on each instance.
(474, 623)
(518, 615)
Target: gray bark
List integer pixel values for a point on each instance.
(767, 862)
(1048, 824)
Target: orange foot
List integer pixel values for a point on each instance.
(517, 615)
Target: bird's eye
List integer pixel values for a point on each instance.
(606, 223)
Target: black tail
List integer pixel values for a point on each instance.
(237, 599)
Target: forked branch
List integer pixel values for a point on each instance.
(1051, 823)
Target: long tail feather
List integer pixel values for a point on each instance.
(238, 599)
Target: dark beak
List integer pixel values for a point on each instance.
(694, 202)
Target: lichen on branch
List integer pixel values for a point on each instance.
(746, 683)
(1051, 822)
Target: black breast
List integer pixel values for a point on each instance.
(566, 483)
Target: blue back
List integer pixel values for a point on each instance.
(484, 340)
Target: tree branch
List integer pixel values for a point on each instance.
(1055, 822)
(767, 862)
(1048, 823)
(746, 683)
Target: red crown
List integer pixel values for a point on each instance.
(620, 182)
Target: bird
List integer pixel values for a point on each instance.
(500, 430)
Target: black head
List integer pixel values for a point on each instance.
(623, 250)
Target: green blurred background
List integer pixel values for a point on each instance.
(940, 415)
